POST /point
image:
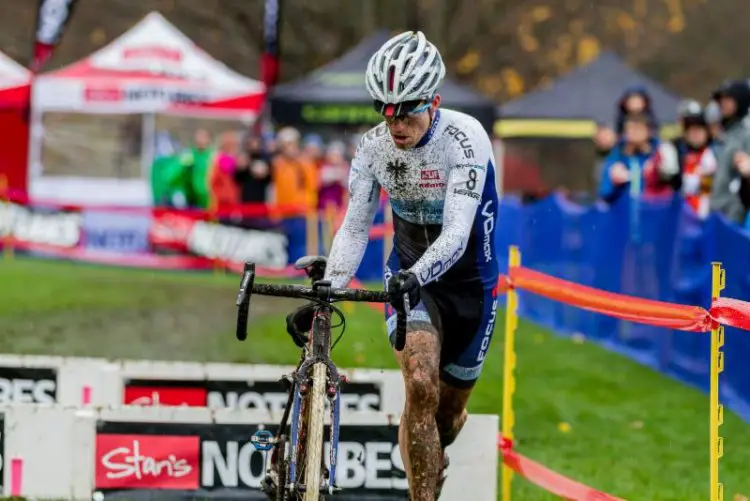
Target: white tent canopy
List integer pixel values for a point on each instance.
(152, 68)
(12, 74)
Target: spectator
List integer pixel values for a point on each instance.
(697, 159)
(294, 177)
(640, 162)
(334, 174)
(253, 174)
(635, 100)
(224, 190)
(195, 164)
(733, 167)
(312, 149)
(604, 140)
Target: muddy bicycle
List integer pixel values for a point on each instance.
(297, 469)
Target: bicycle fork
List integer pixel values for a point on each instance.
(301, 387)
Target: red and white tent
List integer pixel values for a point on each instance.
(14, 83)
(14, 140)
(152, 68)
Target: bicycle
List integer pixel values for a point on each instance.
(314, 381)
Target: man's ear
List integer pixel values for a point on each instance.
(436, 102)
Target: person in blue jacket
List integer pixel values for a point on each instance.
(640, 163)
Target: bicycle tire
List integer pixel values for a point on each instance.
(315, 424)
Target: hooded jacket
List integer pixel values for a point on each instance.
(728, 184)
(622, 112)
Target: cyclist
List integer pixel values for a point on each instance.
(436, 167)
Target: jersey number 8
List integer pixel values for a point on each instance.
(472, 182)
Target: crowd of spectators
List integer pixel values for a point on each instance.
(240, 168)
(708, 164)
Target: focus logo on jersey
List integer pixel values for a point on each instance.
(463, 140)
(488, 333)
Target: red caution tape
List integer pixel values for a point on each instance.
(549, 480)
(731, 312)
(645, 311)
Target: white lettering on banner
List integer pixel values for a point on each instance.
(232, 467)
(238, 245)
(124, 462)
(367, 465)
(27, 391)
(489, 225)
(247, 400)
(163, 95)
(61, 229)
(488, 333)
(277, 401)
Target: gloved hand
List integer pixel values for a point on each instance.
(403, 282)
(299, 323)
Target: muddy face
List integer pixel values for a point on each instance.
(407, 131)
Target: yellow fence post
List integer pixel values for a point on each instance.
(716, 418)
(509, 382)
(5, 201)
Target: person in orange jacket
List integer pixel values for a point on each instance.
(295, 178)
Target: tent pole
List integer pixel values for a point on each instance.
(148, 138)
(36, 138)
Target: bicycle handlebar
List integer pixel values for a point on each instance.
(320, 290)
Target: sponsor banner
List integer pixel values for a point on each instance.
(120, 232)
(143, 94)
(55, 228)
(216, 394)
(28, 385)
(181, 232)
(218, 461)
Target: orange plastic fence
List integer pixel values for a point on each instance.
(658, 313)
(552, 481)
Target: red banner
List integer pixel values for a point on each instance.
(147, 462)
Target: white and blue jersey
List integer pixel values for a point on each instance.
(445, 206)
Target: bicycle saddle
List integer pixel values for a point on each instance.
(314, 266)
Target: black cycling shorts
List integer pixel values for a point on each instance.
(464, 319)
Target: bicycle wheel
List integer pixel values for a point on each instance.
(315, 423)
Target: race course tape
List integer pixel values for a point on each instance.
(551, 481)
(130, 452)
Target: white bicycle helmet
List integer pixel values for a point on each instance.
(406, 68)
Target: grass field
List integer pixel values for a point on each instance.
(633, 432)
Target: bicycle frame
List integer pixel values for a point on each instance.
(315, 356)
